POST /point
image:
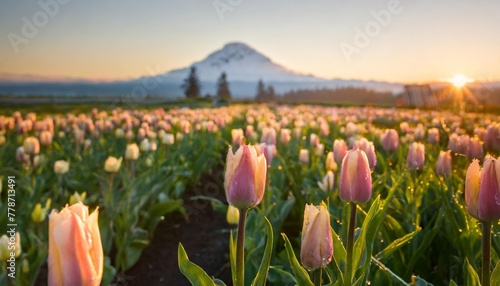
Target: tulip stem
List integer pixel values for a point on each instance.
(240, 249)
(485, 274)
(317, 277)
(350, 242)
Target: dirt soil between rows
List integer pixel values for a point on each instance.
(204, 235)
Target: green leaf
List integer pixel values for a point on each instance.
(339, 254)
(260, 279)
(195, 274)
(452, 283)
(299, 271)
(108, 273)
(363, 246)
(395, 245)
(471, 278)
(495, 275)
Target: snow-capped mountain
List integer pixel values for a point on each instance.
(241, 63)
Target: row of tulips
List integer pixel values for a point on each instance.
(134, 181)
(418, 205)
(407, 202)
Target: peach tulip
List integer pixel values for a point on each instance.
(75, 249)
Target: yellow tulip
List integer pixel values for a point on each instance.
(75, 249)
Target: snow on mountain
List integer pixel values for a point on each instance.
(241, 63)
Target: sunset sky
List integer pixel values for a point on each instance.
(109, 40)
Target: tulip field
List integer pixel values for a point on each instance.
(312, 195)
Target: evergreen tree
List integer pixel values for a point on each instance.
(223, 91)
(270, 94)
(261, 91)
(191, 84)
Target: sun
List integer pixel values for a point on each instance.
(460, 80)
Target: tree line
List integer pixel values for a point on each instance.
(192, 88)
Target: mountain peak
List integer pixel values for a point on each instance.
(235, 52)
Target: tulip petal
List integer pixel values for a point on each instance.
(489, 192)
(260, 178)
(96, 252)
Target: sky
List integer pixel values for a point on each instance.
(410, 41)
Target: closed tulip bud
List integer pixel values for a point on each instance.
(285, 136)
(404, 127)
(31, 146)
(492, 137)
(488, 201)
(4, 248)
(316, 249)
(304, 156)
(297, 132)
(369, 149)
(245, 177)
(168, 139)
(149, 162)
(2, 139)
(38, 214)
(433, 135)
(46, 138)
(330, 162)
(269, 152)
(112, 164)
(75, 249)
(237, 136)
(61, 167)
(328, 182)
(474, 149)
(17, 245)
(76, 198)
(153, 146)
(355, 178)
(132, 152)
(145, 146)
(269, 136)
(249, 130)
(319, 149)
(472, 181)
(119, 133)
(314, 140)
(21, 156)
(233, 215)
(390, 140)
(339, 150)
(419, 132)
(416, 156)
(443, 165)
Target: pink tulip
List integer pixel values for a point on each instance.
(416, 156)
(443, 165)
(369, 149)
(355, 178)
(245, 178)
(488, 202)
(474, 149)
(316, 250)
(492, 137)
(339, 150)
(390, 140)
